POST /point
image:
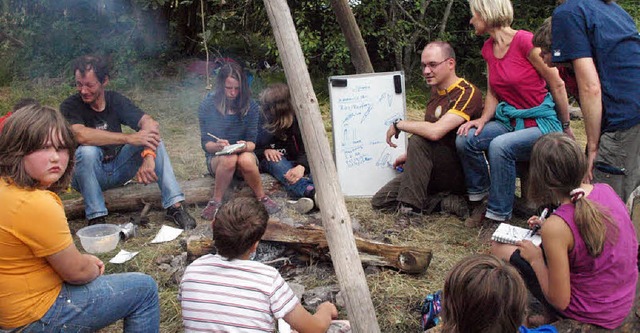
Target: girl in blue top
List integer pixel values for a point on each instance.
(227, 116)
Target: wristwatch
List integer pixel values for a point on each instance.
(566, 125)
(395, 126)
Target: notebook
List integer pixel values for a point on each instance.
(230, 149)
(510, 234)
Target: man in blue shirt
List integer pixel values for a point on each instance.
(602, 43)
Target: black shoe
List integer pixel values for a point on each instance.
(180, 217)
(97, 220)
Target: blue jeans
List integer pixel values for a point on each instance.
(101, 302)
(91, 176)
(503, 149)
(278, 169)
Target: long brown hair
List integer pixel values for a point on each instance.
(242, 102)
(277, 108)
(26, 132)
(239, 224)
(483, 294)
(557, 167)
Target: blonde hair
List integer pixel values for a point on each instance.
(277, 108)
(496, 13)
(556, 168)
(483, 294)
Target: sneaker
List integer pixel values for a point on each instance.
(270, 205)
(405, 209)
(98, 220)
(180, 217)
(209, 212)
(477, 214)
(302, 205)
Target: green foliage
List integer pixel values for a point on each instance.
(53, 33)
(39, 38)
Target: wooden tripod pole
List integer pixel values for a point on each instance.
(335, 217)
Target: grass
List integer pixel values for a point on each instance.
(173, 101)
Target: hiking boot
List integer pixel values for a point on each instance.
(455, 204)
(477, 214)
(270, 205)
(209, 212)
(98, 220)
(302, 205)
(180, 217)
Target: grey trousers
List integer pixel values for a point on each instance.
(432, 167)
(620, 150)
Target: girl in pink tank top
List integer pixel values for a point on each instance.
(586, 269)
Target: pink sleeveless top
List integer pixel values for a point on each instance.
(602, 288)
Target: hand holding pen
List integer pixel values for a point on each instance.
(221, 143)
(538, 221)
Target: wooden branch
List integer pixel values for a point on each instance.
(445, 18)
(312, 240)
(335, 217)
(351, 32)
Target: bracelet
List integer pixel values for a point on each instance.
(148, 151)
(566, 125)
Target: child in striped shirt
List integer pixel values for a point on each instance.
(228, 292)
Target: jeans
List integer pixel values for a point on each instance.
(279, 169)
(92, 176)
(503, 149)
(101, 302)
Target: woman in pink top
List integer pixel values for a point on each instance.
(519, 101)
(586, 269)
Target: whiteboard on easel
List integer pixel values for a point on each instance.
(363, 106)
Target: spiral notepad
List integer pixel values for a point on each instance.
(230, 149)
(510, 234)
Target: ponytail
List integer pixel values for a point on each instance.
(593, 222)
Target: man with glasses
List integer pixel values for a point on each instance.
(108, 158)
(431, 165)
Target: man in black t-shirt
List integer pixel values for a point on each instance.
(106, 157)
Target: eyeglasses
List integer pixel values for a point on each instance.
(433, 65)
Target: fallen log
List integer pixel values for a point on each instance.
(312, 240)
(133, 197)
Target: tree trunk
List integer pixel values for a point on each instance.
(351, 32)
(335, 217)
(312, 240)
(445, 18)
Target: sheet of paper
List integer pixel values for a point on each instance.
(166, 234)
(122, 257)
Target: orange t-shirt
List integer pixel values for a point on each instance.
(32, 226)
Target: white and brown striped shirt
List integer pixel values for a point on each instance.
(218, 295)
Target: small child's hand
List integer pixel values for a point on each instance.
(533, 221)
(329, 308)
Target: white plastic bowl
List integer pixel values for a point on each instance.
(99, 238)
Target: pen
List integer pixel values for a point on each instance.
(213, 136)
(537, 227)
